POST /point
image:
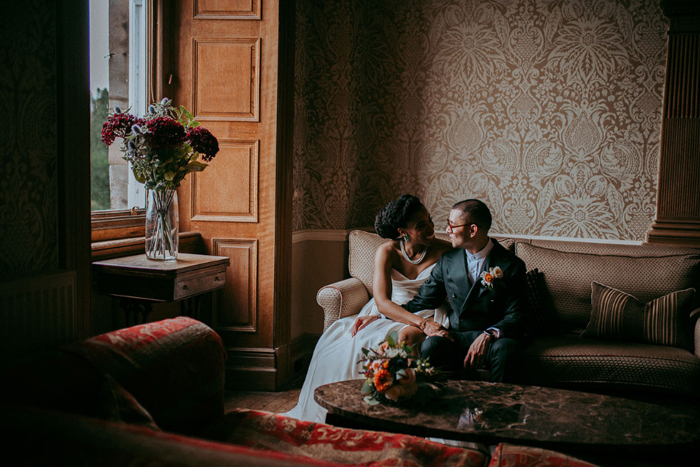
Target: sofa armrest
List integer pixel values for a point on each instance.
(341, 299)
(174, 368)
(695, 319)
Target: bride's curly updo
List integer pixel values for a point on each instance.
(396, 214)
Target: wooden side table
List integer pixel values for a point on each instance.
(139, 282)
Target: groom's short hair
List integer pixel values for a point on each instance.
(476, 211)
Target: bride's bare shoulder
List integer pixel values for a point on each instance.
(386, 248)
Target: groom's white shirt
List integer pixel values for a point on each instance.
(475, 262)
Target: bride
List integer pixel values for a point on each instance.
(401, 267)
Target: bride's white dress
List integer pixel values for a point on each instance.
(338, 356)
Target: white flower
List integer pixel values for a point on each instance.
(487, 277)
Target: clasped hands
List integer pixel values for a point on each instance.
(430, 328)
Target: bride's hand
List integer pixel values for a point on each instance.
(432, 328)
(361, 322)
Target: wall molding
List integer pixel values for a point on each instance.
(320, 235)
(328, 235)
(573, 240)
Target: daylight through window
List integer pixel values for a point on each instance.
(118, 77)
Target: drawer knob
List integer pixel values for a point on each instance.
(216, 279)
(184, 287)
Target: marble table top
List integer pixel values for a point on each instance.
(489, 413)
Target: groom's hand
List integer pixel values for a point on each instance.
(476, 356)
(432, 328)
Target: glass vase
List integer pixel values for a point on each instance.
(162, 225)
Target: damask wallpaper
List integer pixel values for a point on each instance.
(28, 140)
(548, 110)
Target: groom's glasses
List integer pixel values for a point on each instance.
(454, 226)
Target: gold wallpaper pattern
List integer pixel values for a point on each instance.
(548, 110)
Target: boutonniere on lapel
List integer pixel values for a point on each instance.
(488, 277)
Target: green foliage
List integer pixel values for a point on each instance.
(366, 388)
(392, 338)
(99, 153)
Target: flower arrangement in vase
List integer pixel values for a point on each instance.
(161, 147)
(391, 374)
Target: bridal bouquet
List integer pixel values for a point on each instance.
(390, 374)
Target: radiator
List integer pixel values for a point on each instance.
(37, 313)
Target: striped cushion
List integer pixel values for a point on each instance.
(619, 315)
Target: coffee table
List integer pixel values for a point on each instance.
(489, 413)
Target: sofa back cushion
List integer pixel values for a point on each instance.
(569, 275)
(363, 246)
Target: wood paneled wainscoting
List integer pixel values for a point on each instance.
(678, 209)
(231, 64)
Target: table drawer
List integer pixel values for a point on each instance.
(188, 287)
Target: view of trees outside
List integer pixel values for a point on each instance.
(99, 154)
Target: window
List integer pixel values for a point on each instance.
(120, 72)
(118, 77)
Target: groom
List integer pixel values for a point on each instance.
(487, 318)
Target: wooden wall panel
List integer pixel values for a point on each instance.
(227, 9)
(237, 310)
(228, 190)
(241, 204)
(226, 79)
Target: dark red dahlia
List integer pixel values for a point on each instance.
(118, 125)
(203, 142)
(164, 132)
(107, 134)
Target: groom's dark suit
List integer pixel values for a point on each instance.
(475, 308)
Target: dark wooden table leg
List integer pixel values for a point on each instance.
(190, 306)
(135, 311)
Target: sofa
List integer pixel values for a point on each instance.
(153, 395)
(563, 350)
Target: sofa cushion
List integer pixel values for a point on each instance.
(118, 405)
(174, 368)
(55, 380)
(573, 361)
(543, 320)
(508, 455)
(40, 437)
(569, 276)
(267, 431)
(619, 315)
